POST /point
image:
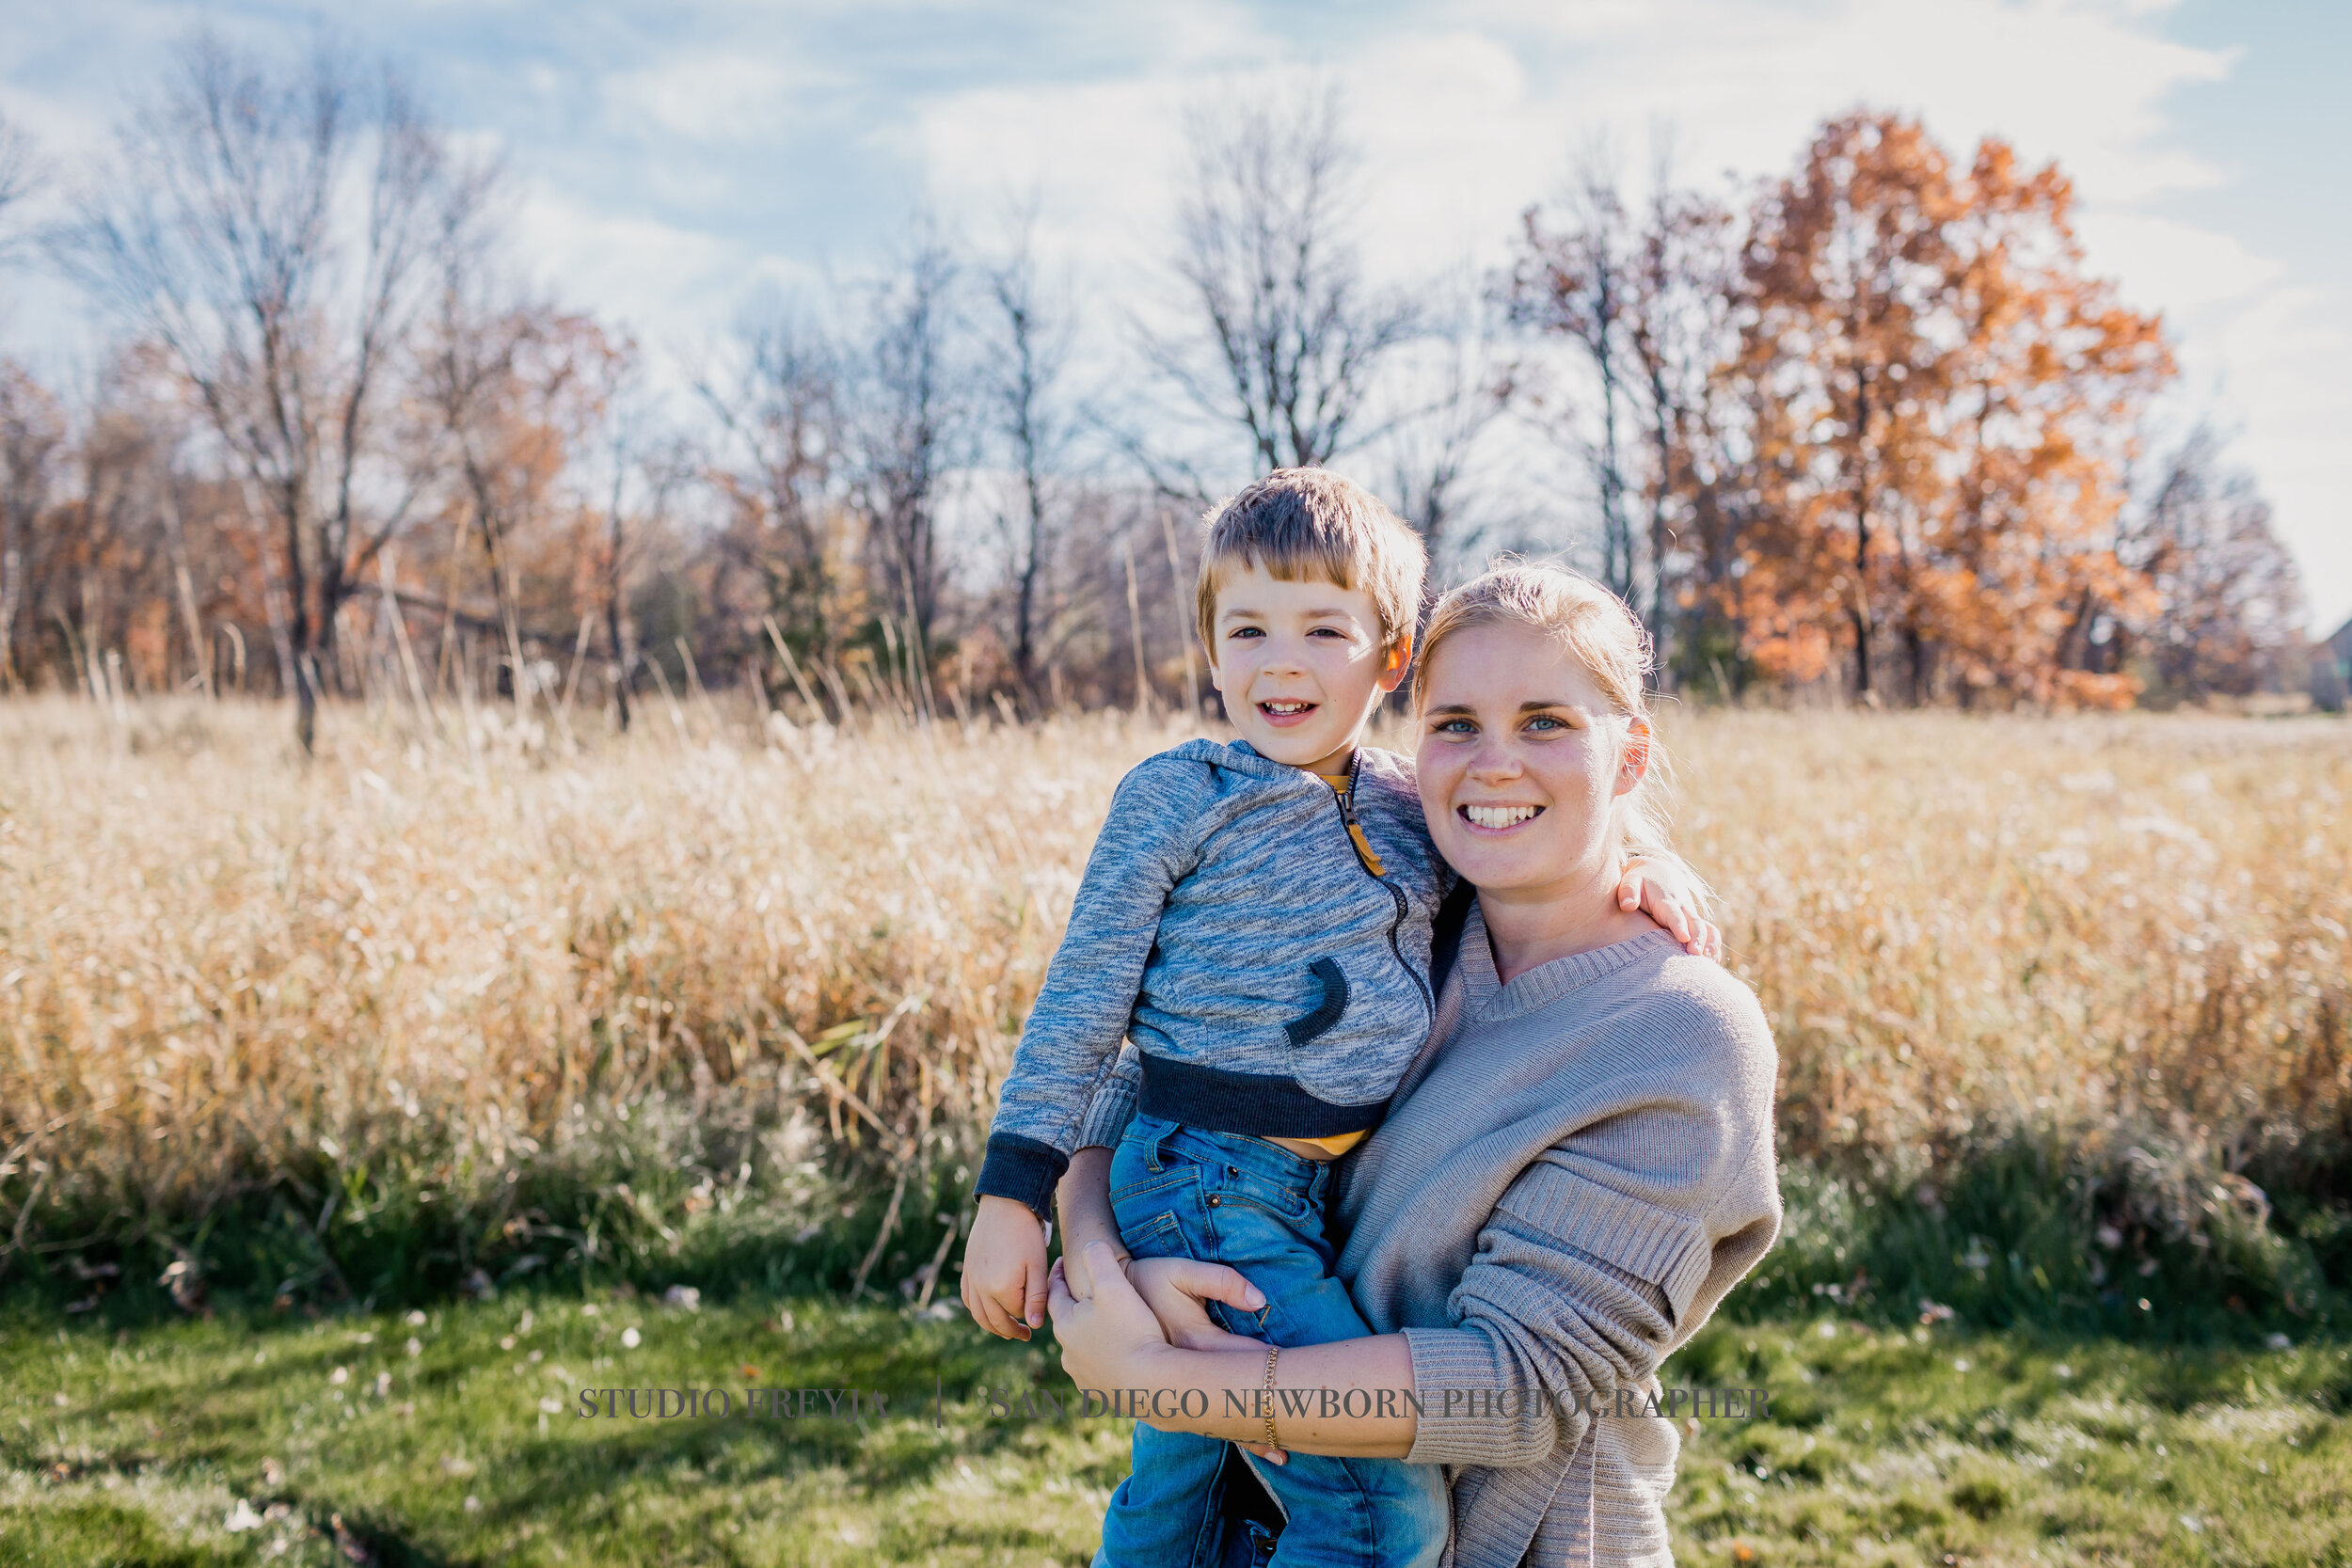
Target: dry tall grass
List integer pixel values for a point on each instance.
(218, 962)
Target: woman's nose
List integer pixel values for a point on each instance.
(1491, 759)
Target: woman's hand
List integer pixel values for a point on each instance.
(1669, 895)
(1111, 1336)
(1112, 1339)
(1178, 1288)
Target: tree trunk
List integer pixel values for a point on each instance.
(612, 604)
(1858, 608)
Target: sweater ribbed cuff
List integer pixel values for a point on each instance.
(1106, 1118)
(1497, 1417)
(1023, 1169)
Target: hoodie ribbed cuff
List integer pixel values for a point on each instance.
(1025, 1170)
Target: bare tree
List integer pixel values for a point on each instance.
(2229, 597)
(1579, 283)
(779, 406)
(1464, 378)
(907, 433)
(220, 231)
(20, 175)
(661, 470)
(494, 367)
(1680, 335)
(1290, 337)
(32, 429)
(1036, 343)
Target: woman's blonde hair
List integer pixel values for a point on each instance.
(1596, 628)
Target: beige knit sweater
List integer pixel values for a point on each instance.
(1577, 1168)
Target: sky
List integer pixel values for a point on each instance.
(670, 163)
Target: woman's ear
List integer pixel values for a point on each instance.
(1633, 766)
(1400, 660)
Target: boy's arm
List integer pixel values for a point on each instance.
(1079, 1018)
(1082, 1012)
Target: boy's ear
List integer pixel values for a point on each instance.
(1400, 659)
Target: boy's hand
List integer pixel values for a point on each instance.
(1004, 1269)
(1664, 891)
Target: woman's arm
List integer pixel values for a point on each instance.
(1112, 1343)
(1548, 1328)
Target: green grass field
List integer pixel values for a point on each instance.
(453, 1437)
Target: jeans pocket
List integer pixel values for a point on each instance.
(1161, 1235)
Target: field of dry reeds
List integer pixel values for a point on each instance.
(2061, 1003)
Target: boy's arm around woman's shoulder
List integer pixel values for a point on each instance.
(1068, 1054)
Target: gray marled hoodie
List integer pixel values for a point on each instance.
(1267, 981)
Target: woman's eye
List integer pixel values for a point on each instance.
(1544, 723)
(1456, 727)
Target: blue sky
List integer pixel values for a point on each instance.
(670, 159)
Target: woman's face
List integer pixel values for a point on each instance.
(1519, 760)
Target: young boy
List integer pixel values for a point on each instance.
(1255, 922)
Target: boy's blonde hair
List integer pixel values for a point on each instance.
(1598, 630)
(1308, 523)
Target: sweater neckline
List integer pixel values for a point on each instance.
(1492, 999)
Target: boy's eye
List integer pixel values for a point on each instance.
(1327, 631)
(1246, 632)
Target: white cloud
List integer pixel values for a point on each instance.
(713, 96)
(635, 270)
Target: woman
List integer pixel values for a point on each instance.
(1573, 1174)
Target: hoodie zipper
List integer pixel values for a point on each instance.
(1354, 829)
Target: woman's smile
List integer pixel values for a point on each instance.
(1494, 821)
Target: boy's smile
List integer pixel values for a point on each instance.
(1300, 665)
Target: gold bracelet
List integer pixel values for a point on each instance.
(1271, 1352)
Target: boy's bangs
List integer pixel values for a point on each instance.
(1291, 561)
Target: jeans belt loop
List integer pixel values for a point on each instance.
(1151, 1159)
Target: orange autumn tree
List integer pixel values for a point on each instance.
(2051, 377)
(1937, 391)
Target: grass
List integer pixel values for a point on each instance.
(1898, 1446)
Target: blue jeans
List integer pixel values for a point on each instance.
(1221, 1198)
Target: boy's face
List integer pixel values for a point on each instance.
(1300, 665)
